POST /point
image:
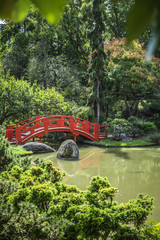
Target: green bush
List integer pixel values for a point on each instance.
(86, 113)
(148, 127)
(36, 204)
(157, 122)
(155, 138)
(141, 127)
(136, 122)
(151, 231)
(7, 156)
(118, 127)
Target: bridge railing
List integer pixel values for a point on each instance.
(48, 123)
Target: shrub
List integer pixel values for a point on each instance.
(36, 204)
(148, 127)
(151, 231)
(155, 138)
(119, 127)
(7, 157)
(141, 127)
(136, 122)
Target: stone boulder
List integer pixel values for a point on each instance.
(38, 147)
(68, 150)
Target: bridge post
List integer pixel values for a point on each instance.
(71, 124)
(96, 131)
(61, 122)
(86, 127)
(37, 122)
(46, 122)
(9, 132)
(32, 129)
(75, 138)
(18, 135)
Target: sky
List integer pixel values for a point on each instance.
(2, 21)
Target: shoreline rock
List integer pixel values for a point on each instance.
(38, 147)
(68, 150)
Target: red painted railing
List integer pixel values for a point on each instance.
(38, 126)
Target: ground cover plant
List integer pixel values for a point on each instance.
(20, 151)
(133, 143)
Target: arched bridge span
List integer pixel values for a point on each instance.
(38, 126)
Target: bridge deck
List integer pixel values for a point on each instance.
(38, 126)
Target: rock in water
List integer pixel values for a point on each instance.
(68, 150)
(38, 147)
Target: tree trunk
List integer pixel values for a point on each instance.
(98, 103)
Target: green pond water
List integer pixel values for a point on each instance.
(131, 170)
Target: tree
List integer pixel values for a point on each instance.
(116, 18)
(132, 79)
(15, 59)
(49, 101)
(19, 100)
(96, 66)
(56, 72)
(38, 50)
(73, 34)
(32, 39)
(55, 45)
(16, 98)
(136, 23)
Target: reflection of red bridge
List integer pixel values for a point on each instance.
(40, 125)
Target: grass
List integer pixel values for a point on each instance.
(20, 151)
(132, 143)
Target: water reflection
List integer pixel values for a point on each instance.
(70, 168)
(118, 152)
(132, 171)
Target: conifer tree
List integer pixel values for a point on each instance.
(7, 157)
(97, 63)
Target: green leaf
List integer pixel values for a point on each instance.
(6, 7)
(155, 39)
(17, 9)
(20, 10)
(140, 16)
(13, 9)
(51, 9)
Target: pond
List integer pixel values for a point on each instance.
(131, 170)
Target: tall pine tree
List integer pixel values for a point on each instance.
(97, 62)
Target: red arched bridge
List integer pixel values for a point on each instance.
(38, 126)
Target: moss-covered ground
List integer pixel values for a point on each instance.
(20, 151)
(132, 143)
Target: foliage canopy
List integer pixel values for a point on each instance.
(141, 15)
